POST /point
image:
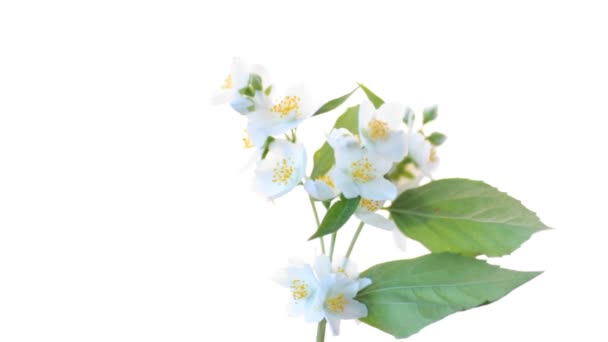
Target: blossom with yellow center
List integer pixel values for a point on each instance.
(286, 114)
(382, 130)
(368, 213)
(281, 170)
(322, 189)
(358, 171)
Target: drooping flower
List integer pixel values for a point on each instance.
(322, 189)
(328, 293)
(367, 212)
(281, 170)
(358, 171)
(423, 153)
(280, 116)
(382, 130)
(304, 285)
(238, 79)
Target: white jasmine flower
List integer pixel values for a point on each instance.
(423, 153)
(359, 172)
(383, 131)
(410, 181)
(321, 189)
(237, 79)
(339, 302)
(285, 114)
(305, 298)
(281, 170)
(367, 212)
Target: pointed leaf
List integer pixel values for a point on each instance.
(429, 114)
(407, 295)
(464, 216)
(336, 216)
(333, 104)
(375, 99)
(437, 138)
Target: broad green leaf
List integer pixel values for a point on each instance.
(333, 104)
(375, 99)
(407, 295)
(429, 114)
(437, 138)
(324, 156)
(323, 161)
(464, 216)
(336, 216)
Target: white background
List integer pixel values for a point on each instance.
(124, 213)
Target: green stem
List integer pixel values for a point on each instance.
(353, 241)
(321, 331)
(314, 210)
(333, 244)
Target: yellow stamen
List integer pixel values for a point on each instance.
(228, 83)
(377, 130)
(283, 171)
(433, 156)
(287, 105)
(247, 140)
(299, 289)
(327, 180)
(370, 205)
(337, 303)
(362, 170)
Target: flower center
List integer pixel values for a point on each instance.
(247, 140)
(286, 106)
(299, 289)
(327, 180)
(433, 156)
(370, 205)
(377, 130)
(362, 170)
(227, 82)
(337, 303)
(282, 171)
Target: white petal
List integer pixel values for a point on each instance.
(241, 104)
(280, 151)
(378, 189)
(320, 190)
(394, 148)
(364, 282)
(334, 323)
(376, 220)
(322, 266)
(239, 72)
(345, 184)
(392, 113)
(400, 239)
(353, 310)
(366, 111)
(419, 148)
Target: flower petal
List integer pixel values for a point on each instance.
(400, 239)
(281, 170)
(378, 189)
(376, 220)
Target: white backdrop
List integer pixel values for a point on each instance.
(123, 213)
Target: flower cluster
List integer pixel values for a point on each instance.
(327, 292)
(377, 151)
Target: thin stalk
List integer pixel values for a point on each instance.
(321, 331)
(314, 210)
(353, 241)
(331, 247)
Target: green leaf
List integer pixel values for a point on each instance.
(324, 157)
(349, 120)
(323, 161)
(437, 138)
(256, 82)
(336, 216)
(266, 146)
(333, 104)
(407, 295)
(268, 90)
(375, 99)
(464, 216)
(429, 114)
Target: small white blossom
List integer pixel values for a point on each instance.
(367, 212)
(359, 172)
(281, 170)
(304, 285)
(279, 116)
(238, 78)
(322, 189)
(382, 130)
(423, 153)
